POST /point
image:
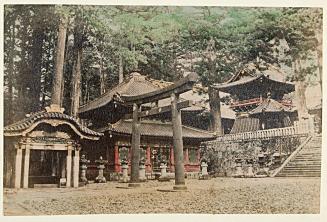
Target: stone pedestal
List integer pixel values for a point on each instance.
(100, 178)
(124, 168)
(239, 170)
(142, 176)
(83, 174)
(83, 167)
(250, 172)
(163, 176)
(204, 171)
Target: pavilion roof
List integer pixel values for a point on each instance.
(27, 124)
(157, 129)
(137, 84)
(270, 106)
(250, 77)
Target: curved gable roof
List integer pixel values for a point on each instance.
(135, 85)
(54, 118)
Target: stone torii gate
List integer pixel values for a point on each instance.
(172, 91)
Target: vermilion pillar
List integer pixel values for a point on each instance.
(171, 159)
(116, 159)
(186, 160)
(148, 159)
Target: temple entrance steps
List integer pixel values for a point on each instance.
(307, 162)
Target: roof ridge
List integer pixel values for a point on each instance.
(125, 81)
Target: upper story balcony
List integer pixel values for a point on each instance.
(251, 103)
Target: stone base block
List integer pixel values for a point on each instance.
(180, 187)
(134, 185)
(204, 177)
(163, 179)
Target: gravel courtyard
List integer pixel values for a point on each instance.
(215, 196)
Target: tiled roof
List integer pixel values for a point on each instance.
(270, 106)
(136, 84)
(251, 73)
(157, 129)
(19, 127)
(245, 124)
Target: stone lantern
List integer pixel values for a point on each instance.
(204, 171)
(239, 170)
(249, 163)
(142, 176)
(101, 166)
(262, 161)
(163, 169)
(83, 166)
(277, 159)
(124, 167)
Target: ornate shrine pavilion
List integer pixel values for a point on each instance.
(259, 99)
(44, 148)
(107, 114)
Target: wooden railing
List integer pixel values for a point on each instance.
(304, 127)
(253, 101)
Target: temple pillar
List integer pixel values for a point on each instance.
(116, 159)
(76, 168)
(18, 167)
(69, 167)
(178, 144)
(186, 160)
(135, 157)
(171, 159)
(198, 156)
(26, 166)
(148, 159)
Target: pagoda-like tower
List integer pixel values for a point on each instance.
(258, 98)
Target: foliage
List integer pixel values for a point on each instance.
(161, 42)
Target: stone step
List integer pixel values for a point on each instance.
(303, 165)
(297, 175)
(45, 185)
(301, 174)
(301, 170)
(307, 158)
(307, 163)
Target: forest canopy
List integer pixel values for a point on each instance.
(105, 43)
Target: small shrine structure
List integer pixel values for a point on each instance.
(44, 148)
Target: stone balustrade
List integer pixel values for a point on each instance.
(304, 127)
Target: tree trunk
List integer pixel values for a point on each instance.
(8, 118)
(300, 88)
(76, 82)
(214, 102)
(121, 70)
(59, 66)
(102, 78)
(319, 56)
(35, 84)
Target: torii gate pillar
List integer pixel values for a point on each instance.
(178, 144)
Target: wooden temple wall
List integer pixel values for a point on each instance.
(114, 149)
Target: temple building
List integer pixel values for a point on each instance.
(44, 148)
(260, 99)
(107, 114)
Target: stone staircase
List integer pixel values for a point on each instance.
(307, 162)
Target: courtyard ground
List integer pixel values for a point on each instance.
(215, 196)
